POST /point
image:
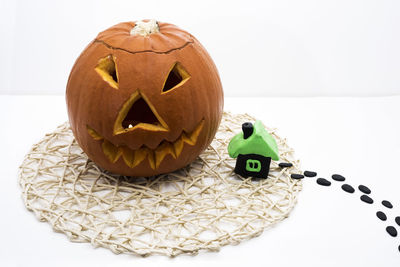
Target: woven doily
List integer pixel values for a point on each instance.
(202, 206)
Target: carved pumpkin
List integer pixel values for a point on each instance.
(144, 98)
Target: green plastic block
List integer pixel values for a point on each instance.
(260, 142)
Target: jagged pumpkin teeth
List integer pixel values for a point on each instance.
(151, 158)
(133, 158)
(141, 83)
(94, 134)
(178, 146)
(128, 155)
(186, 139)
(162, 151)
(195, 134)
(112, 152)
(140, 155)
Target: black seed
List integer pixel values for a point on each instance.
(323, 181)
(391, 231)
(399, 248)
(338, 177)
(285, 165)
(381, 216)
(310, 174)
(387, 204)
(397, 219)
(297, 176)
(348, 188)
(364, 189)
(367, 199)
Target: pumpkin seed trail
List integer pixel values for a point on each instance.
(397, 220)
(348, 188)
(338, 177)
(310, 174)
(382, 216)
(367, 199)
(296, 176)
(323, 182)
(387, 204)
(391, 230)
(285, 165)
(364, 189)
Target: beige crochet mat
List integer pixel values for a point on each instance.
(203, 206)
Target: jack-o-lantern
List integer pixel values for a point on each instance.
(144, 98)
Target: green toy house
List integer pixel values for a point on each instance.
(254, 148)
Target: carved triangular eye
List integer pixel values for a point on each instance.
(176, 77)
(107, 69)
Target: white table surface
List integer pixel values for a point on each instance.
(356, 137)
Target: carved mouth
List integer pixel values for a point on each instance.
(132, 158)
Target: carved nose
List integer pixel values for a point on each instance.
(140, 112)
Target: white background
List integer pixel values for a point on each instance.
(261, 48)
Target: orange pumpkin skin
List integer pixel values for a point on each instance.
(187, 116)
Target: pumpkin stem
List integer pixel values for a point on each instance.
(145, 28)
